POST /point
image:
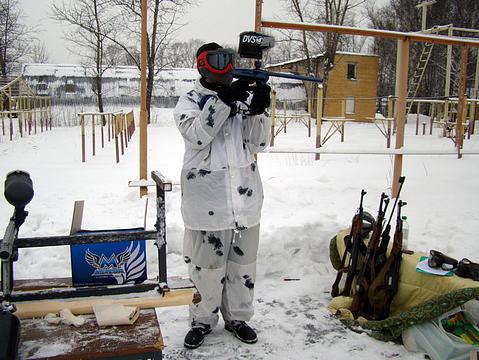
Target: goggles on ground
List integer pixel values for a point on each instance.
(438, 260)
(218, 61)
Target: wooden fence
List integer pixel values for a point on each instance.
(120, 127)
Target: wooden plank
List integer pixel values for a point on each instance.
(34, 309)
(414, 36)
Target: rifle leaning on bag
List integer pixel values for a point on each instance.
(353, 245)
(359, 304)
(384, 287)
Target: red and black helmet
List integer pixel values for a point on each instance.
(215, 63)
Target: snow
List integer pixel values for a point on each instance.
(306, 203)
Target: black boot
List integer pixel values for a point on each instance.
(242, 331)
(195, 337)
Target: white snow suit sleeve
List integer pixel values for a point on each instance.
(199, 127)
(257, 132)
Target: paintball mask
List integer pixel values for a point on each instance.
(216, 65)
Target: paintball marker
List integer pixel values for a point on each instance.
(355, 239)
(18, 192)
(251, 46)
(366, 274)
(385, 286)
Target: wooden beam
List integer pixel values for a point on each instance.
(401, 112)
(33, 309)
(349, 30)
(462, 101)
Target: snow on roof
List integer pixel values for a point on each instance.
(120, 72)
(320, 55)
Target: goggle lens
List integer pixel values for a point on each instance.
(220, 60)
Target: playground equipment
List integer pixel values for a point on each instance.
(18, 101)
(404, 42)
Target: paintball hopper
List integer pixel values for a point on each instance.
(18, 188)
(252, 44)
(19, 192)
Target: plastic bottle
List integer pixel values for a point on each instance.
(405, 233)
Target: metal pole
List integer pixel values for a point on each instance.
(143, 110)
(319, 116)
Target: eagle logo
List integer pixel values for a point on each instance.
(127, 266)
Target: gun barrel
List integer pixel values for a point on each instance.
(6, 245)
(293, 76)
(263, 75)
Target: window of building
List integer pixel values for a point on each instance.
(42, 87)
(350, 105)
(70, 87)
(352, 71)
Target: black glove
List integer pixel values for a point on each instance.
(261, 99)
(237, 91)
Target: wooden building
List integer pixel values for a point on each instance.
(352, 84)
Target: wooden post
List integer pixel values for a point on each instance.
(474, 94)
(20, 114)
(418, 111)
(401, 112)
(35, 114)
(41, 114)
(109, 124)
(285, 119)
(102, 132)
(93, 132)
(319, 115)
(462, 101)
(143, 110)
(125, 129)
(3, 123)
(390, 115)
(273, 116)
(309, 116)
(120, 132)
(82, 121)
(50, 111)
(29, 107)
(343, 115)
(115, 134)
(258, 15)
(10, 114)
(447, 85)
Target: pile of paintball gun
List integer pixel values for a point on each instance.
(18, 192)
(251, 46)
(376, 274)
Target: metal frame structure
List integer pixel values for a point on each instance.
(9, 294)
(404, 41)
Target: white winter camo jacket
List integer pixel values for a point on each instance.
(221, 184)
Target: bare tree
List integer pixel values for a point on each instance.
(334, 12)
(39, 53)
(15, 36)
(182, 53)
(163, 23)
(92, 23)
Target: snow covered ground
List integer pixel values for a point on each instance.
(306, 203)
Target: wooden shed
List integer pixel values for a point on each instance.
(352, 85)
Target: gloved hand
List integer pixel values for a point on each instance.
(261, 99)
(237, 91)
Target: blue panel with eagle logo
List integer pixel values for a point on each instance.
(109, 263)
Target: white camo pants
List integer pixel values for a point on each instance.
(222, 266)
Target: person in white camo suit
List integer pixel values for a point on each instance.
(223, 124)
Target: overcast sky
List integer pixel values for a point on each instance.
(212, 20)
